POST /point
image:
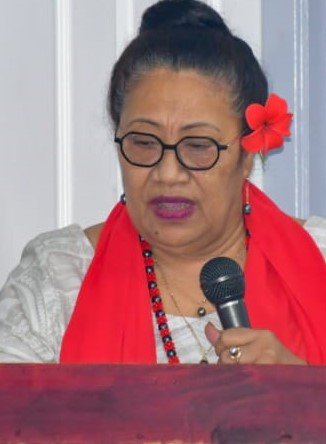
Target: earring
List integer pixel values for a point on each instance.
(246, 209)
(123, 199)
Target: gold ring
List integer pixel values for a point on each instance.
(235, 354)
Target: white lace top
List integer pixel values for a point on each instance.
(37, 300)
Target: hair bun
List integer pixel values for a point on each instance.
(170, 13)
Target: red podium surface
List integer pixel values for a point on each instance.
(162, 404)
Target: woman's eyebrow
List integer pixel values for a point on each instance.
(200, 125)
(144, 120)
(184, 127)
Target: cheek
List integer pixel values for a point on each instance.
(222, 186)
(222, 175)
(235, 167)
(133, 179)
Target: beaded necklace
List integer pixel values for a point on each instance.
(157, 304)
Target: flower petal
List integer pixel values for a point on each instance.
(275, 107)
(255, 115)
(254, 142)
(282, 125)
(272, 140)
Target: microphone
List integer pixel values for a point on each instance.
(222, 282)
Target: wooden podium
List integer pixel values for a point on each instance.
(108, 404)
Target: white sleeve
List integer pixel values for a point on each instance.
(38, 298)
(23, 322)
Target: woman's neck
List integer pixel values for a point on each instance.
(178, 273)
(232, 245)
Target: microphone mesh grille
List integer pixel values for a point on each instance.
(222, 280)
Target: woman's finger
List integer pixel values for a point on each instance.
(234, 337)
(212, 333)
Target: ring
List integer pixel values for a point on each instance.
(235, 354)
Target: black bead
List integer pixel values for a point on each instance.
(247, 208)
(162, 326)
(147, 253)
(171, 353)
(156, 299)
(166, 338)
(123, 199)
(152, 284)
(201, 312)
(159, 313)
(149, 269)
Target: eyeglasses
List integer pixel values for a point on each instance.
(147, 150)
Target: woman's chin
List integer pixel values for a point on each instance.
(173, 236)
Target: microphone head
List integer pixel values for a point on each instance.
(222, 280)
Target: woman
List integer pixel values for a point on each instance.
(190, 107)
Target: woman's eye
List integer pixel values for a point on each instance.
(198, 144)
(145, 143)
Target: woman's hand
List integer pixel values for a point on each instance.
(256, 346)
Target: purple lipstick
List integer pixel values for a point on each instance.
(172, 207)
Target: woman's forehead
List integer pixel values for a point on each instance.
(184, 91)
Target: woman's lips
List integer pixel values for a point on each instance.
(168, 207)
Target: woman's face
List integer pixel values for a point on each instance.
(171, 206)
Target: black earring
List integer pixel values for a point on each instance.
(246, 209)
(123, 199)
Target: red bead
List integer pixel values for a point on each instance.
(157, 305)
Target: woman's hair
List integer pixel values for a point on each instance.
(188, 34)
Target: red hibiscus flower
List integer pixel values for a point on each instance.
(270, 124)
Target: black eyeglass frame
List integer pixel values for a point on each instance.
(174, 147)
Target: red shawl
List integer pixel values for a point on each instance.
(285, 277)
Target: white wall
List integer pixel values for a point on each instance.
(286, 62)
(27, 124)
(317, 106)
(58, 162)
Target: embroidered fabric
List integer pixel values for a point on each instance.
(37, 300)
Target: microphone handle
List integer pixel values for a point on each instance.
(233, 314)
